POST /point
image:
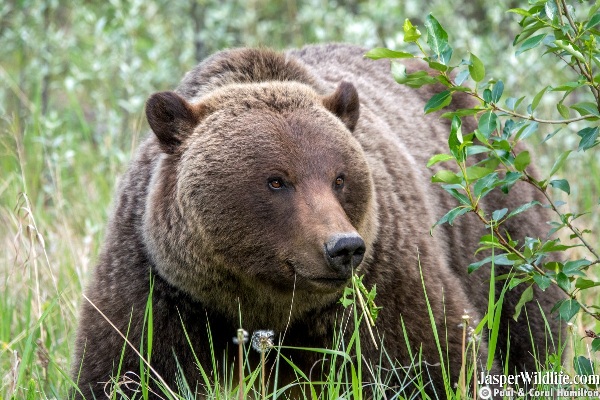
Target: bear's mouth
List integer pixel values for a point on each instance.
(333, 282)
(328, 282)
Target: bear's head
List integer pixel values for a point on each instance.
(261, 190)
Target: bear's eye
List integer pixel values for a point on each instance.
(276, 183)
(339, 182)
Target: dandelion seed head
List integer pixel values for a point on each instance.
(262, 340)
(474, 338)
(242, 337)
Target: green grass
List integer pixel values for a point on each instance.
(73, 81)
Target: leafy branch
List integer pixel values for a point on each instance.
(550, 25)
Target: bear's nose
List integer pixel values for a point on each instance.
(344, 252)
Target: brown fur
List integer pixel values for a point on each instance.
(195, 213)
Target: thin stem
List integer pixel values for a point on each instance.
(585, 68)
(262, 362)
(516, 252)
(240, 337)
(531, 117)
(567, 223)
(461, 378)
(474, 368)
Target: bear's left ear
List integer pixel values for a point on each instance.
(344, 104)
(172, 119)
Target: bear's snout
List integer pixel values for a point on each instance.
(344, 252)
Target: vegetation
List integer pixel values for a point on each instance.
(570, 36)
(73, 81)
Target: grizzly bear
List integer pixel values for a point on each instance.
(269, 179)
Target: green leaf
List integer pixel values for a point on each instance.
(439, 158)
(586, 108)
(530, 43)
(452, 215)
(346, 301)
(476, 265)
(476, 149)
(523, 208)
(499, 259)
(453, 190)
(486, 184)
(596, 344)
(476, 68)
(498, 214)
(512, 102)
(574, 267)
(567, 87)
(514, 282)
(474, 172)
(520, 11)
(538, 97)
(555, 245)
(510, 179)
(583, 284)
(554, 266)
(561, 184)
(494, 312)
(381, 52)
(446, 176)
(528, 30)
(522, 161)
(489, 240)
(411, 33)
(527, 130)
(595, 20)
(563, 281)
(559, 163)
(398, 71)
(563, 110)
(551, 10)
(568, 309)
(487, 123)
(461, 77)
(542, 281)
(497, 91)
(455, 140)
(551, 135)
(461, 113)
(414, 80)
(437, 39)
(438, 101)
(451, 86)
(526, 297)
(588, 138)
(439, 67)
(487, 95)
(583, 366)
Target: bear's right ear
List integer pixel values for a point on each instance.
(344, 104)
(172, 119)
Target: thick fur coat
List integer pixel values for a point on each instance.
(261, 167)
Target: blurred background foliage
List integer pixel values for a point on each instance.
(74, 76)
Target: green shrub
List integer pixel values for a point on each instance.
(569, 35)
